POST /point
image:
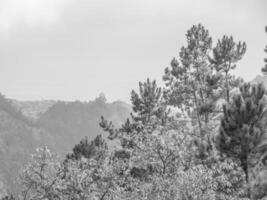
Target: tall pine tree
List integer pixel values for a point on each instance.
(225, 56)
(191, 84)
(242, 132)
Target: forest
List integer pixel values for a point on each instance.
(202, 136)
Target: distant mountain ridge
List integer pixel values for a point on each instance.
(71, 121)
(25, 125)
(33, 109)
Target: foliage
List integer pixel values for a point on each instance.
(198, 81)
(46, 178)
(225, 56)
(243, 123)
(191, 85)
(88, 149)
(147, 103)
(39, 178)
(242, 136)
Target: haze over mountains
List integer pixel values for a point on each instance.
(26, 125)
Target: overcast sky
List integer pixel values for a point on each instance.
(75, 49)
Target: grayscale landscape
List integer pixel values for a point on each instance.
(133, 100)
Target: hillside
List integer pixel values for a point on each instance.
(22, 130)
(33, 109)
(18, 139)
(71, 121)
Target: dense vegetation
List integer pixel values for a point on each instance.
(201, 137)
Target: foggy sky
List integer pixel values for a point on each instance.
(75, 49)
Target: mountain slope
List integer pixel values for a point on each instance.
(33, 109)
(59, 125)
(68, 122)
(18, 139)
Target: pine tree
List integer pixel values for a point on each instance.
(242, 126)
(88, 149)
(264, 69)
(225, 56)
(148, 109)
(146, 104)
(191, 84)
